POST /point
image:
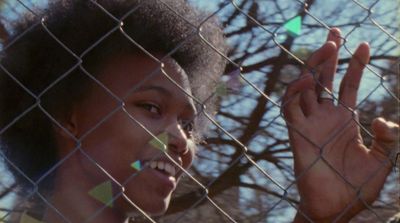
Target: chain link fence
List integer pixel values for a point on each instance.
(243, 167)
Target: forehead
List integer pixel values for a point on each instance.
(125, 73)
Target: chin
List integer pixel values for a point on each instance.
(158, 208)
(153, 207)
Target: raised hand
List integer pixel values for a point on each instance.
(337, 175)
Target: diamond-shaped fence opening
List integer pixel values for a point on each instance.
(199, 111)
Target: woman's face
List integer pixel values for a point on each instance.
(118, 141)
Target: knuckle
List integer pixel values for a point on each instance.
(351, 86)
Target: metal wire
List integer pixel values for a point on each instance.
(243, 150)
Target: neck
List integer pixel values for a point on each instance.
(71, 197)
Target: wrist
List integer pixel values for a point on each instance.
(305, 214)
(299, 218)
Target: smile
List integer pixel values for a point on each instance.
(164, 167)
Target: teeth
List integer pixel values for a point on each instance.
(161, 165)
(170, 169)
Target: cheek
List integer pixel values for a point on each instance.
(116, 144)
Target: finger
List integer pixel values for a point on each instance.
(319, 57)
(308, 102)
(292, 110)
(386, 135)
(334, 35)
(328, 69)
(351, 81)
(304, 82)
(289, 102)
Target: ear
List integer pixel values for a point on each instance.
(69, 129)
(65, 132)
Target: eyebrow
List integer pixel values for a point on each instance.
(159, 89)
(163, 91)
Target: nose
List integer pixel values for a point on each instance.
(177, 140)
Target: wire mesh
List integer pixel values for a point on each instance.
(243, 167)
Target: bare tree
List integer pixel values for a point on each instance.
(259, 44)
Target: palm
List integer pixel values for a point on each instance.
(336, 174)
(328, 163)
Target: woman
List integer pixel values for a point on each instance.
(88, 143)
(99, 100)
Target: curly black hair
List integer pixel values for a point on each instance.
(41, 66)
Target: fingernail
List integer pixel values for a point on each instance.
(332, 43)
(392, 125)
(335, 31)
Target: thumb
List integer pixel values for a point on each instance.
(386, 138)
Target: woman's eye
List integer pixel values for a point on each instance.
(151, 108)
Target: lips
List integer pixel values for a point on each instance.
(161, 178)
(164, 173)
